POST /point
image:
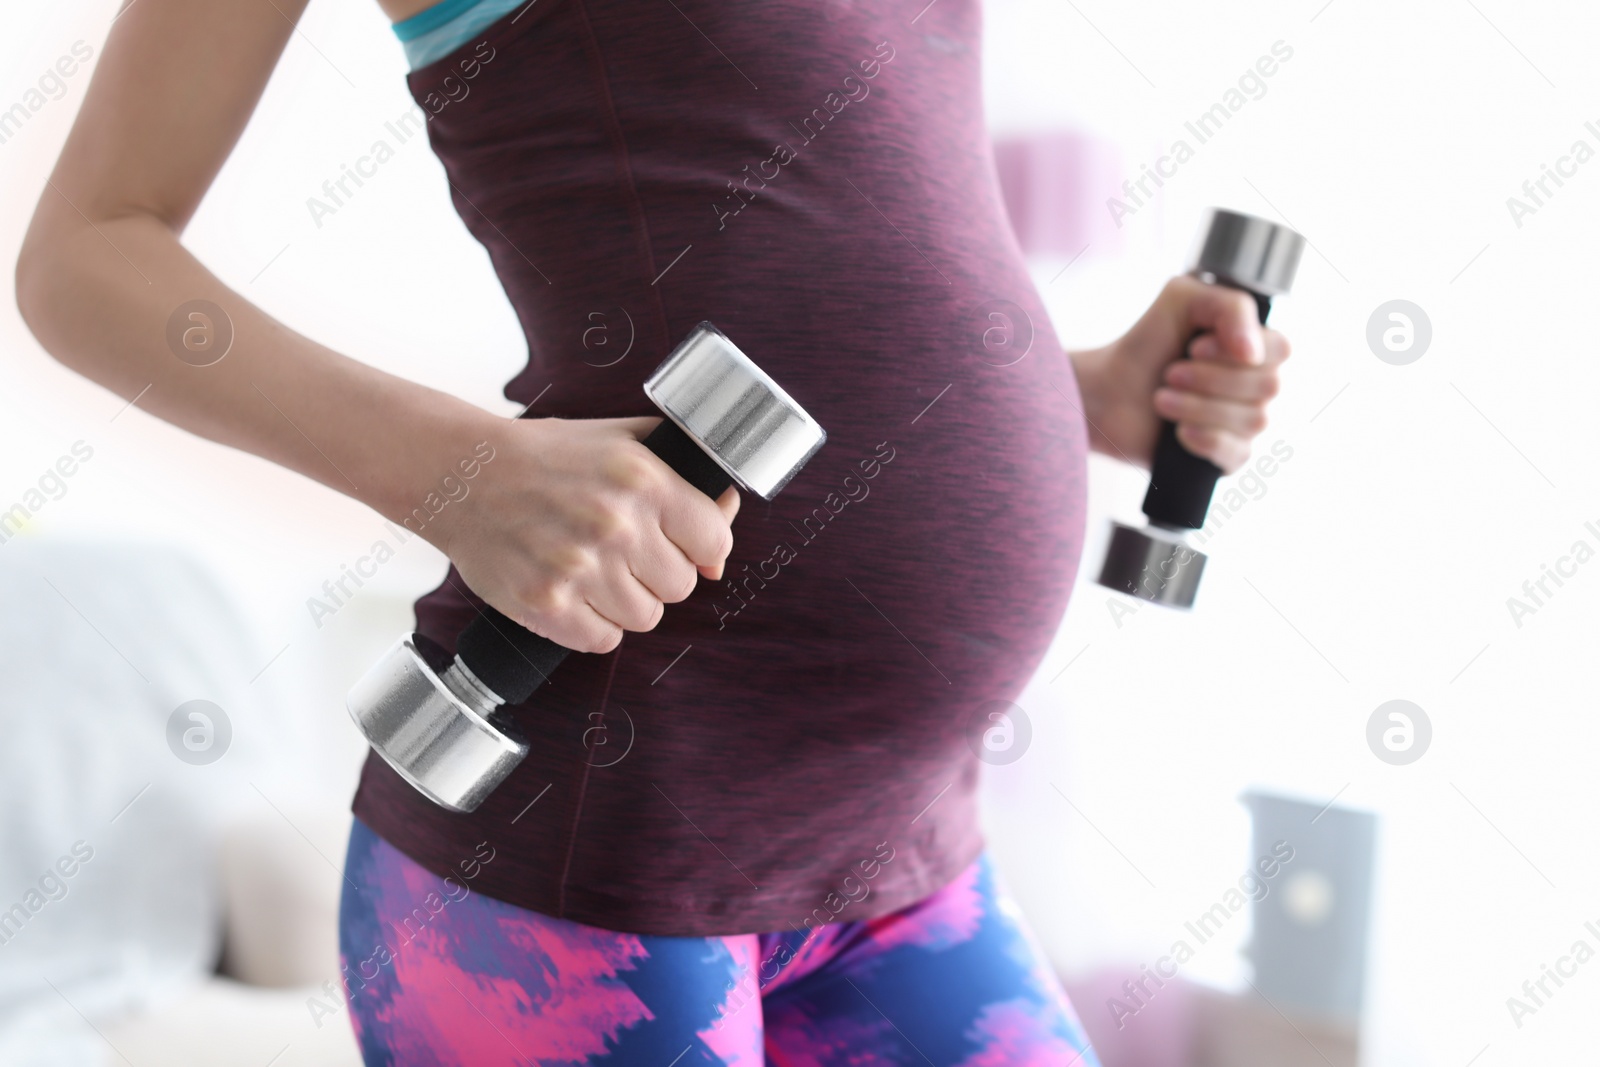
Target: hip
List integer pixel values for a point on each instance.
(553, 988)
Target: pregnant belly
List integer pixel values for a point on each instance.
(917, 569)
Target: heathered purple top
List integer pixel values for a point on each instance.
(795, 743)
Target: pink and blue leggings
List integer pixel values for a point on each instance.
(443, 976)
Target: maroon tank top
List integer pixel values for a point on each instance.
(795, 743)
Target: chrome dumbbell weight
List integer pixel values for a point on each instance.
(440, 721)
(1156, 563)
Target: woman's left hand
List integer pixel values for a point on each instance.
(1218, 397)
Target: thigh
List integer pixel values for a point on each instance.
(955, 980)
(436, 973)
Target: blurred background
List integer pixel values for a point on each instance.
(1418, 486)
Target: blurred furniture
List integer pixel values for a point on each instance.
(1308, 950)
(1309, 947)
(176, 867)
(1191, 1025)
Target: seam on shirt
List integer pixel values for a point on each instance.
(619, 147)
(583, 791)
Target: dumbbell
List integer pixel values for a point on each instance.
(1156, 563)
(441, 721)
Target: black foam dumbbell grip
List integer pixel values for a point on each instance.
(513, 661)
(1181, 482)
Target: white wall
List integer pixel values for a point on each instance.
(1415, 504)
(1418, 498)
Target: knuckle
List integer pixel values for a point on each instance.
(643, 616)
(686, 579)
(605, 522)
(1179, 292)
(567, 562)
(606, 640)
(629, 468)
(543, 597)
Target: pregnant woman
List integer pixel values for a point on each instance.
(746, 831)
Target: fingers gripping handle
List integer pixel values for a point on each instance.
(1181, 482)
(513, 661)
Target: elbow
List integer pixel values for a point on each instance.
(25, 283)
(31, 282)
(49, 285)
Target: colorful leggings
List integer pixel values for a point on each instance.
(440, 975)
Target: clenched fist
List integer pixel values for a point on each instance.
(578, 532)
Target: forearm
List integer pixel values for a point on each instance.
(99, 297)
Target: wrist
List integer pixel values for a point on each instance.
(432, 458)
(1089, 367)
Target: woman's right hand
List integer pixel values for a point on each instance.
(578, 532)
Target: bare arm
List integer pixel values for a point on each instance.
(102, 269)
(578, 532)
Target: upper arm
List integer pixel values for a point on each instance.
(176, 84)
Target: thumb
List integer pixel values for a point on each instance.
(728, 504)
(729, 501)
